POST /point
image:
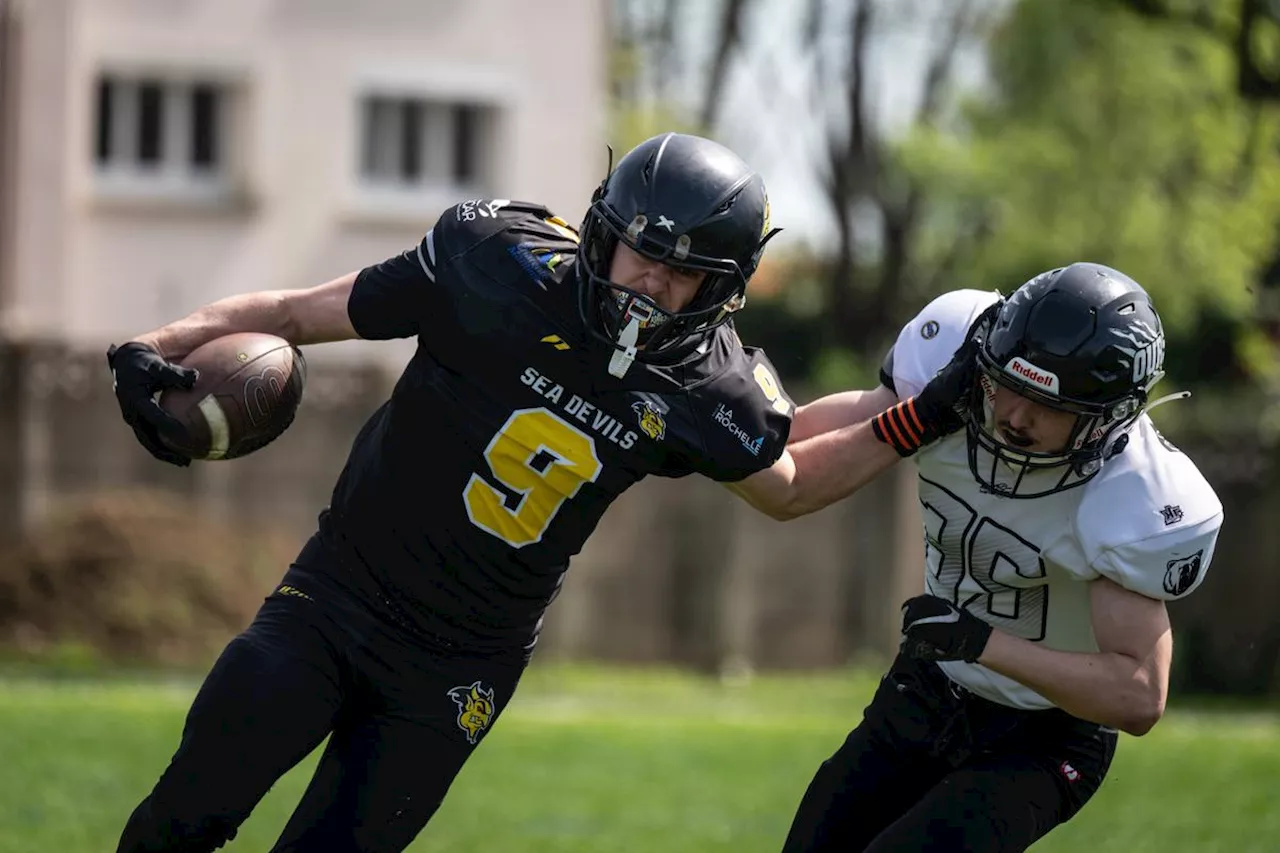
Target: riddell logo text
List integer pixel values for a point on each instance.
(1033, 374)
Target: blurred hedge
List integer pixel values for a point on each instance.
(134, 577)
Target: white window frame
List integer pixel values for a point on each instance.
(494, 91)
(437, 130)
(175, 177)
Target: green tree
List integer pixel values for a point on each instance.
(1250, 28)
(1104, 136)
(646, 61)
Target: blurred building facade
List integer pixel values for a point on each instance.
(159, 154)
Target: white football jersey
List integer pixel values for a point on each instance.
(1147, 521)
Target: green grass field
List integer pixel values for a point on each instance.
(614, 760)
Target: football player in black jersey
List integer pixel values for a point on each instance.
(555, 368)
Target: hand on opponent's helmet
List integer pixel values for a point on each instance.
(939, 409)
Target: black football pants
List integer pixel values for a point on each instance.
(403, 719)
(933, 767)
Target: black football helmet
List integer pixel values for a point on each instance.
(685, 201)
(1083, 339)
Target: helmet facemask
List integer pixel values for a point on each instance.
(629, 319)
(1084, 340)
(686, 202)
(1098, 433)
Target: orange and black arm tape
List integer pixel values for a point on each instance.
(900, 427)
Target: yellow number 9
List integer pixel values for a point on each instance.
(531, 436)
(769, 385)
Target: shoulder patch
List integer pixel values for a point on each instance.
(539, 262)
(1180, 575)
(539, 243)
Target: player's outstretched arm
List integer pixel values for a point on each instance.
(817, 472)
(835, 411)
(820, 470)
(310, 316)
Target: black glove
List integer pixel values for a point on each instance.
(939, 409)
(138, 372)
(935, 629)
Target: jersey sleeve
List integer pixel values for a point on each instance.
(391, 299)
(1165, 567)
(1150, 524)
(404, 295)
(927, 343)
(747, 416)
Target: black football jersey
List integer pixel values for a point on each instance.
(506, 438)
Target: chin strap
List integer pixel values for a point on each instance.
(622, 357)
(624, 352)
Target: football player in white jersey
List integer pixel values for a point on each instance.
(1057, 524)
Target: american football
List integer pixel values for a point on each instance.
(247, 394)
